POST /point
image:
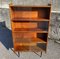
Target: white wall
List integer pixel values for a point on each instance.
(32, 2)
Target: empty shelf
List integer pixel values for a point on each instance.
(28, 41)
(30, 30)
(29, 48)
(29, 19)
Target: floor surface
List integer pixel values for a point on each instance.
(53, 49)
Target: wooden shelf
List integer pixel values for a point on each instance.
(29, 19)
(31, 12)
(30, 30)
(28, 48)
(28, 41)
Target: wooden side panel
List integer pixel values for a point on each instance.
(11, 13)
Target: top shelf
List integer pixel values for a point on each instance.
(29, 19)
(30, 12)
(29, 8)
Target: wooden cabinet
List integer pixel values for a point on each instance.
(30, 25)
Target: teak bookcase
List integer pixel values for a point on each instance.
(30, 25)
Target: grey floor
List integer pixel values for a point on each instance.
(53, 49)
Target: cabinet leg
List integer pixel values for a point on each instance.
(18, 54)
(41, 54)
(38, 54)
